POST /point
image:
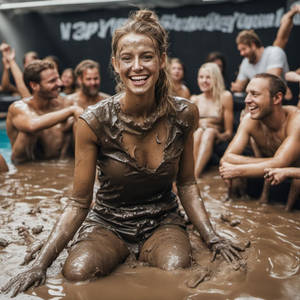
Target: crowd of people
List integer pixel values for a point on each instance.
(147, 136)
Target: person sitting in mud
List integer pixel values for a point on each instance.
(176, 70)
(215, 106)
(88, 77)
(37, 126)
(274, 129)
(140, 139)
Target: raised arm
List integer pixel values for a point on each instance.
(5, 81)
(73, 215)
(9, 54)
(286, 26)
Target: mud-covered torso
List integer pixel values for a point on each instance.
(137, 163)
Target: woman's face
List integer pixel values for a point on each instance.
(176, 71)
(67, 78)
(204, 80)
(138, 64)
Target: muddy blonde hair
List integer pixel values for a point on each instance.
(218, 86)
(146, 22)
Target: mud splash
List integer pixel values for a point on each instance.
(33, 195)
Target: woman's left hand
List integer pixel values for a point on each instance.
(229, 251)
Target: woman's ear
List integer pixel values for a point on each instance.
(115, 64)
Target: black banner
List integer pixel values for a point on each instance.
(194, 31)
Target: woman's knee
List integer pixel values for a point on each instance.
(168, 249)
(94, 258)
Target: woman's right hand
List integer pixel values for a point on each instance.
(33, 277)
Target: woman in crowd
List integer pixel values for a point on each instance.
(219, 58)
(215, 106)
(68, 79)
(141, 140)
(177, 74)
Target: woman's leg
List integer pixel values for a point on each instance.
(168, 248)
(205, 150)
(97, 254)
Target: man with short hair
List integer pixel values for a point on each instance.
(37, 126)
(257, 59)
(275, 130)
(88, 78)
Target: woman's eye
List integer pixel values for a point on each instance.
(125, 58)
(148, 57)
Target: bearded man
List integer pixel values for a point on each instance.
(257, 59)
(88, 78)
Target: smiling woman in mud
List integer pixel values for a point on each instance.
(141, 140)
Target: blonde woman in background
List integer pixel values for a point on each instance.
(215, 106)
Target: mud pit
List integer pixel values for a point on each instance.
(32, 196)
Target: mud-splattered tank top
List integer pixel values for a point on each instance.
(132, 200)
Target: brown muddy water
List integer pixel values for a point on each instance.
(35, 193)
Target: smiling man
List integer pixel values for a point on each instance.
(88, 78)
(37, 126)
(257, 59)
(274, 128)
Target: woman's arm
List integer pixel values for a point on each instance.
(72, 216)
(5, 81)
(286, 26)
(18, 75)
(9, 55)
(194, 205)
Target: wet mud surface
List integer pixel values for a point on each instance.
(33, 195)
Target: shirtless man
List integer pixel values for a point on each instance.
(37, 126)
(88, 76)
(275, 130)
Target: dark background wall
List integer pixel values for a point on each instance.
(194, 31)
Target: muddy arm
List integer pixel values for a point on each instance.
(72, 217)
